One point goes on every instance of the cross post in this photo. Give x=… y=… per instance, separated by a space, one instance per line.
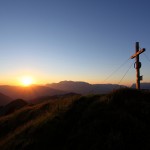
x=137 y=64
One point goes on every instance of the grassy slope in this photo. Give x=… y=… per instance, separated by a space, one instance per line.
x=119 y=120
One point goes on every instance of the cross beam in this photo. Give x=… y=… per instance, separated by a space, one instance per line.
x=138 y=53
x=137 y=64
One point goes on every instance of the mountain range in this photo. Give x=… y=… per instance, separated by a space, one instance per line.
x=28 y=93
x=36 y=92
x=143 y=86
x=84 y=88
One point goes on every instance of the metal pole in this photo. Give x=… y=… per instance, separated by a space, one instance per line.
x=137 y=67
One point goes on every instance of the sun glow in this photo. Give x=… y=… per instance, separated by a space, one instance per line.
x=26 y=81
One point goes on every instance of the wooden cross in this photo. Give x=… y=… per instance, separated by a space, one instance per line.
x=137 y=64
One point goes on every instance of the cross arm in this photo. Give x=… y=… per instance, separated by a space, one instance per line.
x=138 y=53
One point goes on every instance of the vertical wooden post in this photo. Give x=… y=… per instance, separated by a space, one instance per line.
x=137 y=67
x=137 y=64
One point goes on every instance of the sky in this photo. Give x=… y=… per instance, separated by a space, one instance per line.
x=78 y=40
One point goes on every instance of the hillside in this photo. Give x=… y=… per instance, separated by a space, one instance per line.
x=12 y=106
x=4 y=99
x=118 y=120
x=84 y=87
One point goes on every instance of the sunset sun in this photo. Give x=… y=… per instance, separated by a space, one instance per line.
x=26 y=81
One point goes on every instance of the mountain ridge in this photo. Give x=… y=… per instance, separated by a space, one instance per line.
x=4 y=99
x=12 y=107
x=144 y=85
x=84 y=87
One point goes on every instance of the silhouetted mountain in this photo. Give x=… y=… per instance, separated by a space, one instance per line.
x=27 y=93
x=4 y=99
x=119 y=120
x=13 y=106
x=143 y=86
x=83 y=87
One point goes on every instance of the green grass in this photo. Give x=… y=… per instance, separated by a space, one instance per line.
x=119 y=120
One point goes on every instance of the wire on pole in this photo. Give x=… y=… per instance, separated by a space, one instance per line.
x=125 y=62
x=125 y=73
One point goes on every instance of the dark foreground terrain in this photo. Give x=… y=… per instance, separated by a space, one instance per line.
x=119 y=120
